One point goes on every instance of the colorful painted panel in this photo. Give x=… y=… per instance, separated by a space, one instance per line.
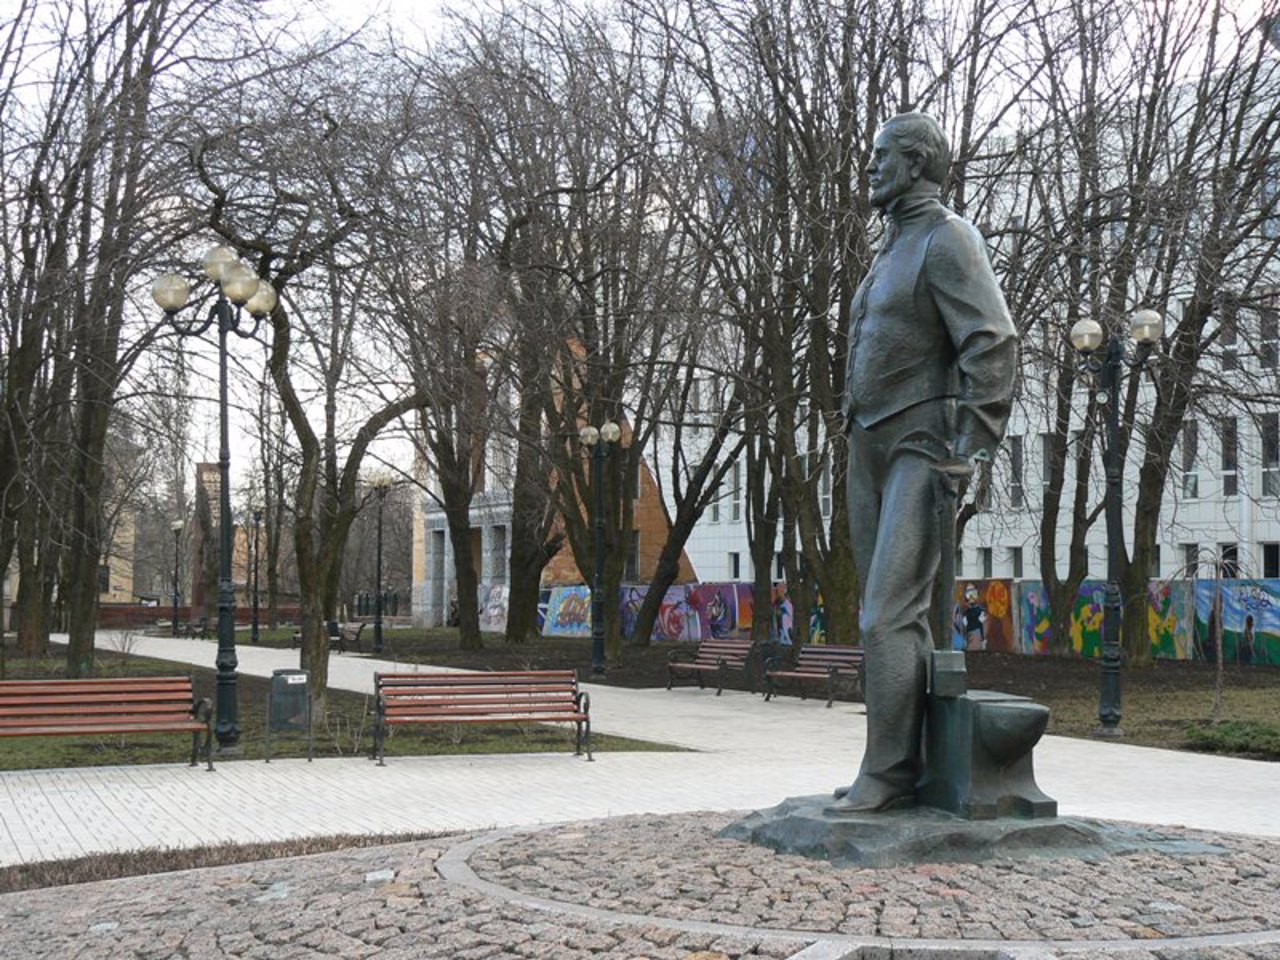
x=632 y=601
x=983 y=616
x=493 y=608
x=677 y=619
x=1171 y=619
x=1250 y=620
x=568 y=612
x=1086 y=618
x=716 y=606
x=1033 y=622
x=678 y=616
x=746 y=607
x=783 y=630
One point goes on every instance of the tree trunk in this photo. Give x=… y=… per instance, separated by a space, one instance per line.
x=458 y=518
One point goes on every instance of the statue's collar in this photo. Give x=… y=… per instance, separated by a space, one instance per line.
x=911 y=206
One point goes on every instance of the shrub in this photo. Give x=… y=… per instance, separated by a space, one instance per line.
x=1241 y=737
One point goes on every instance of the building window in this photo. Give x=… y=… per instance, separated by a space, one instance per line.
x=1017 y=495
x=1229 y=334
x=735 y=491
x=498 y=555
x=1269 y=330
x=1191 y=559
x=1271 y=561
x=1270 y=430
x=985 y=552
x=735 y=566
x=1190 y=450
x=104 y=579
x=824 y=488
x=1229 y=558
x=631 y=570
x=1046 y=459
x=959 y=561
x=1230 y=456
x=1015 y=562
x=714 y=509
x=779 y=574
x=1155 y=560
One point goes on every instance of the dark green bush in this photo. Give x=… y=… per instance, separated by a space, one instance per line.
x=1247 y=738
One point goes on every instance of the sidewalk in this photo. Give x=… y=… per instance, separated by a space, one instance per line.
x=750 y=754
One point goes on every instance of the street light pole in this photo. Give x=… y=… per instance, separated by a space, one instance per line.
x=598 y=442
x=381 y=485
x=1112 y=611
x=1145 y=329
x=238 y=286
x=176 y=526
x=257 y=523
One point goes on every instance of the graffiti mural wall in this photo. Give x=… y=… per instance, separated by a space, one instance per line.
x=982 y=618
x=1250 y=621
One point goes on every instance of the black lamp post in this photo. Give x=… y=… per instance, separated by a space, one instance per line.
x=1145 y=329
x=237 y=286
x=176 y=526
x=253 y=627
x=598 y=442
x=381 y=484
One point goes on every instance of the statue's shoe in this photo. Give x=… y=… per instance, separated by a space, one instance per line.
x=871 y=796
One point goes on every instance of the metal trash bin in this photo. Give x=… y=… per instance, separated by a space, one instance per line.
x=289 y=707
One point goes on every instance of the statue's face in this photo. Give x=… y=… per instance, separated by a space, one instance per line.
x=890 y=171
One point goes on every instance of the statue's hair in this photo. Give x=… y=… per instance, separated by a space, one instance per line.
x=920 y=134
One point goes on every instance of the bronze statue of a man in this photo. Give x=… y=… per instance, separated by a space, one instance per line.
x=932 y=352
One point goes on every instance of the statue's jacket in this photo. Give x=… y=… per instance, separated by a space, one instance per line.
x=929 y=323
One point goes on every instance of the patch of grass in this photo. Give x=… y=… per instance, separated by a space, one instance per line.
x=347 y=729
x=1260 y=741
x=134 y=863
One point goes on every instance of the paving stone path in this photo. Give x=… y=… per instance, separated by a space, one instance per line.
x=660 y=888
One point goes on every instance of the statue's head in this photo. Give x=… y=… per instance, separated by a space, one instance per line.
x=909 y=149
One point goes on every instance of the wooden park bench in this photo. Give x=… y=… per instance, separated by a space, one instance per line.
x=542 y=696
x=341 y=635
x=195 y=629
x=719 y=657
x=814 y=663
x=50 y=708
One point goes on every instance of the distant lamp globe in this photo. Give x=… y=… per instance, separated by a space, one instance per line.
x=217 y=260
x=170 y=292
x=1086 y=335
x=263 y=300
x=239 y=283
x=1146 y=326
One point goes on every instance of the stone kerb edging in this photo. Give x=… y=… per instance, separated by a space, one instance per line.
x=454 y=867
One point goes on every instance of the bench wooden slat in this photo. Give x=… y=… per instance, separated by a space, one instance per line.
x=821 y=662
x=507 y=696
x=113 y=705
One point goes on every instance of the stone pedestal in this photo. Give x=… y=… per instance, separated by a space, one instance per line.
x=978 y=747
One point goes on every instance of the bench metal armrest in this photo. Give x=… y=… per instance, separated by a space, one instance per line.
x=582 y=702
x=202 y=709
